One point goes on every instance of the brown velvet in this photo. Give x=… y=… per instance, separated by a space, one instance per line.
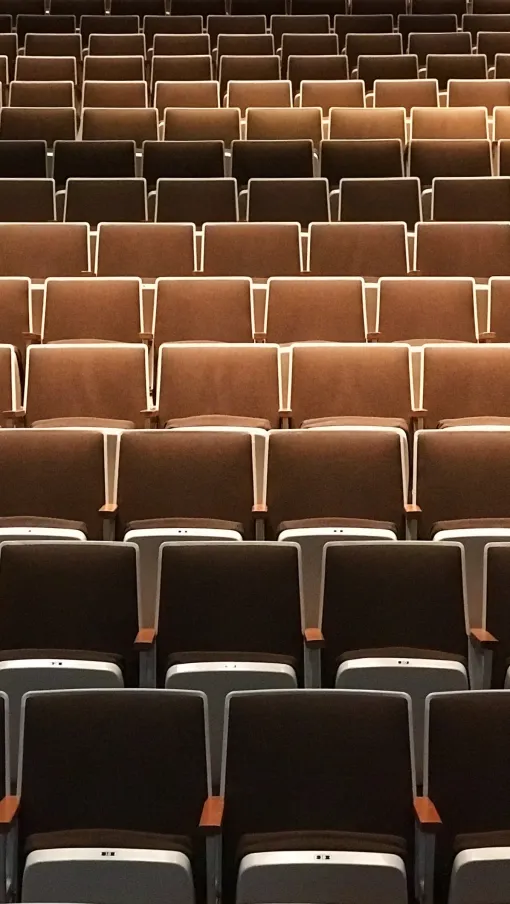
x=114 y=94
x=429 y=158
x=446 y=66
x=358 y=249
x=217 y=310
x=182 y=159
x=367 y=123
x=39 y=250
x=296 y=24
x=499 y=299
x=120 y=68
x=408 y=24
x=27 y=202
x=155 y=25
x=210 y=477
x=129 y=123
x=425 y=43
x=498 y=622
x=19 y=159
x=334 y=474
x=26 y=23
x=384 y=595
x=296 y=122
x=9 y=48
x=492 y=43
x=308 y=309
x=180 y=44
x=193 y=68
x=466 y=382
x=106 y=37
x=474 y=422
x=105 y=309
x=384 y=200
x=416 y=308
x=41 y=94
x=362 y=158
x=240 y=44
x=196 y=201
x=307 y=44
x=481 y=840
x=45 y=123
x=396 y=66
x=200 y=607
x=200 y=125
x=92 y=159
x=147 y=250
x=272 y=160
x=366 y=523
x=98 y=422
x=473 y=199
x=345 y=24
x=463 y=249
x=323 y=841
x=305 y=201
x=218 y=420
x=321 y=67
x=107 y=838
x=371 y=44
x=51 y=45
x=484 y=93
x=398 y=423
x=222 y=24
x=252 y=249
x=6 y=362
x=442 y=122
x=99 y=200
x=248 y=68
x=413 y=93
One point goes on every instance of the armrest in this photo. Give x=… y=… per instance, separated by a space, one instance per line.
x=17 y=415
x=109 y=510
x=374 y=336
x=212 y=815
x=259 y=336
x=259 y=510
x=483 y=639
x=427 y=817
x=314 y=638
x=151 y=416
x=486 y=337
x=417 y=413
x=9 y=807
x=285 y=414
x=87 y=273
x=146 y=337
x=411 y=511
x=145 y=639
x=31 y=337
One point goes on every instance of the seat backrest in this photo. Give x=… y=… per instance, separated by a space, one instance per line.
x=446 y=66
x=363 y=200
x=477 y=22
x=271 y=159
x=14 y=306
x=308 y=45
x=251 y=249
x=400 y=66
x=68 y=45
x=406 y=93
x=501 y=123
x=115 y=94
x=426 y=308
x=40 y=123
x=327 y=94
x=303 y=200
x=27 y=200
x=245 y=45
x=23 y=159
x=487 y=93
x=109 y=39
x=345 y=24
x=496 y=561
x=296 y=24
x=147 y=250
x=368 y=123
x=44 y=68
x=492 y=43
x=499 y=299
x=315 y=309
x=432 y=157
x=363 y=158
x=9 y=380
x=480 y=250
x=461 y=122
x=373 y=44
x=39 y=250
x=423 y=43
x=202 y=124
x=212 y=309
x=244 y=94
x=235 y=25
x=41 y=94
x=106 y=309
x=93 y=159
x=471 y=199
x=181 y=44
x=465 y=381
x=269 y=124
x=113 y=68
x=156 y=25
x=358 y=249
x=407 y=24
x=247 y=68
x=181 y=68
x=185 y=94
x=96 y=200
x=128 y=124
x=182 y=159
x=323 y=67
x=196 y=200
x=26 y=24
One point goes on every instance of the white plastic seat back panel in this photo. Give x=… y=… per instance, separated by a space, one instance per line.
x=481 y=876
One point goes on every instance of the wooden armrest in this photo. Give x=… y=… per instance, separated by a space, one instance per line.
x=146 y=337
x=411 y=511
x=418 y=412
x=145 y=639
x=373 y=336
x=285 y=412
x=426 y=815
x=151 y=416
x=483 y=638
x=109 y=510
x=17 y=414
x=9 y=807
x=212 y=815
x=259 y=510
x=314 y=638
x=259 y=336
x=87 y=273
x=487 y=337
x=31 y=337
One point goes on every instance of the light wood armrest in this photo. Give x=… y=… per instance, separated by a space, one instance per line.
x=17 y=415
x=146 y=337
x=212 y=815
x=417 y=413
x=483 y=638
x=487 y=337
x=426 y=815
x=314 y=638
x=145 y=639
x=411 y=511
x=259 y=336
x=31 y=337
x=259 y=510
x=9 y=807
x=374 y=336
x=285 y=414
x=109 y=510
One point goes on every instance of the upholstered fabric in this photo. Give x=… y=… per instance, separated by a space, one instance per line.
x=398 y=423
x=107 y=838
x=218 y=420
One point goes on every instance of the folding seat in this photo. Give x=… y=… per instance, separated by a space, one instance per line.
x=417 y=310
x=263 y=640
x=85 y=309
x=192 y=68
x=14 y=305
x=370 y=735
x=493 y=43
x=54 y=484
x=114 y=124
x=244 y=45
x=253 y=7
x=371 y=45
x=196 y=201
x=147 y=250
x=380 y=200
x=487 y=93
x=67 y=45
x=328 y=94
x=246 y=94
x=502 y=66
x=474 y=23
x=294 y=200
x=408 y=94
x=158 y=25
x=450 y=42
x=408 y=24
x=92 y=159
x=73 y=385
x=182 y=159
x=138 y=7
x=27 y=200
x=200 y=308
x=118 y=27
x=181 y=45
x=271 y=124
x=39 y=250
x=114 y=94
x=296 y=24
x=259 y=250
x=315 y=309
x=444 y=67
x=46 y=69
x=130 y=44
x=501 y=123
x=324 y=68
x=430 y=158
x=202 y=124
x=497 y=317
x=361 y=159
x=317 y=7
x=9 y=49
x=458 y=7
x=471 y=199
x=94 y=813
x=234 y=25
x=204 y=8
x=271 y=160
x=370 y=68
x=358 y=249
x=25 y=159
x=50 y=645
x=94 y=201
x=185 y=94
x=116 y=69
x=247 y=68
x=47 y=124
x=368 y=123
x=393 y=617
x=346 y=24
x=308 y=45
x=480 y=250
x=77 y=8
x=461 y=122
x=371 y=7
x=27 y=24
x=41 y=94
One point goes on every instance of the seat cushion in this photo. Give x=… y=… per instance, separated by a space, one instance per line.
x=306 y=523
x=218 y=420
x=99 y=422
x=107 y=838
x=400 y=652
x=190 y=523
x=35 y=522
x=394 y=422
x=190 y=657
x=474 y=422
x=323 y=841
x=471 y=524
x=85 y=655
x=466 y=841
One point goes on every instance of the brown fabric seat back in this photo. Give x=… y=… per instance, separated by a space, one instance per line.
x=269 y=92
x=39 y=250
x=471 y=199
x=446 y=66
x=407 y=24
x=128 y=124
x=373 y=44
x=497 y=622
x=202 y=125
x=269 y=124
x=156 y=25
x=41 y=94
x=195 y=67
x=147 y=250
x=463 y=249
x=296 y=24
x=308 y=309
x=107 y=309
x=346 y=23
x=407 y=93
x=182 y=159
x=484 y=93
x=426 y=308
x=252 y=249
x=93 y=159
x=97 y=200
x=247 y=68
x=14 y=296
x=52 y=69
x=318 y=91
x=272 y=160
x=52 y=45
x=325 y=67
x=449 y=122
x=400 y=66
x=9 y=377
x=185 y=94
x=303 y=200
x=432 y=157
x=380 y=158
x=358 y=249
x=493 y=43
x=114 y=94
x=465 y=381
x=307 y=45
x=499 y=298
x=38 y=123
x=27 y=200
x=368 y=122
x=210 y=309
x=107 y=36
x=381 y=199
x=235 y=25
x=196 y=200
x=113 y=68
x=425 y=43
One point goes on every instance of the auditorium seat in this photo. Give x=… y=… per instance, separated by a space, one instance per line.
x=315 y=7
x=462 y=122
x=345 y=24
x=368 y=123
x=315 y=309
x=417 y=310
x=269 y=93
x=307 y=45
x=192 y=68
x=406 y=93
x=259 y=250
x=501 y=123
x=474 y=23
x=471 y=199
x=298 y=24
x=502 y=66
x=15 y=295
x=252 y=7
x=92 y=309
x=476 y=377
x=92 y=159
x=9 y=49
x=480 y=250
x=365 y=200
x=235 y=25
x=202 y=125
x=411 y=23
x=327 y=94
x=430 y=158
x=128 y=124
x=41 y=94
x=77 y=7
x=446 y=66
x=31 y=24
x=294 y=200
x=372 y=44
x=247 y=69
x=196 y=201
x=156 y=25
x=53 y=45
x=12 y=7
x=9 y=381
x=38 y=123
x=182 y=159
x=292 y=159
x=118 y=27
x=209 y=640
x=455 y=42
x=27 y=200
x=147 y=250
x=271 y=125
x=40 y=250
x=185 y=94
x=181 y=44
x=488 y=93
x=492 y=43
x=94 y=201
x=114 y=94
x=401 y=66
x=155 y=833
x=497 y=316
x=244 y=45
x=357 y=249
x=368 y=7
x=204 y=8
x=275 y=822
x=325 y=67
x=376 y=158
x=495 y=614
x=212 y=309
x=139 y=7
x=46 y=69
